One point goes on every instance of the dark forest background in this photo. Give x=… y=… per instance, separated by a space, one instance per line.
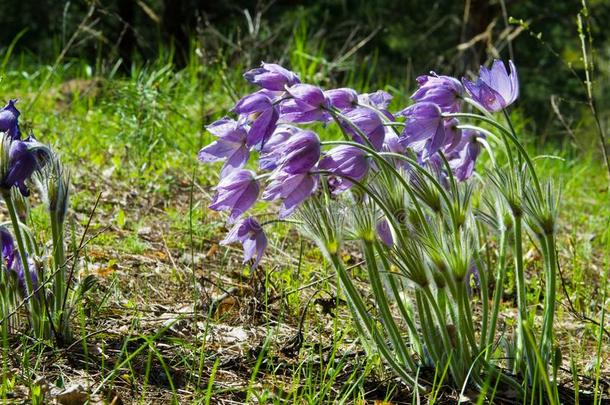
x=392 y=40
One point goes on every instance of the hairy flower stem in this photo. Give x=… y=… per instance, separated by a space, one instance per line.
x=383 y=306
x=34 y=304
x=360 y=311
x=497 y=296
x=546 y=344
x=59 y=286
x=522 y=344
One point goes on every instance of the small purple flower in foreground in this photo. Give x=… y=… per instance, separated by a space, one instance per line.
x=300 y=152
x=495 y=89
x=424 y=130
x=272 y=150
x=444 y=91
x=308 y=104
x=259 y=106
x=9 y=120
x=292 y=189
x=12 y=262
x=453 y=134
x=230 y=145
x=384 y=232
x=342 y=98
x=237 y=192
x=25 y=157
x=369 y=123
x=250 y=233
x=347 y=161
x=271 y=76
x=465 y=156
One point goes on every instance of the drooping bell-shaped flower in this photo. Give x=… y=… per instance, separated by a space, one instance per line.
x=384 y=232
x=231 y=145
x=453 y=134
x=236 y=192
x=379 y=99
x=495 y=89
x=272 y=150
x=271 y=76
x=300 y=152
x=348 y=161
x=444 y=91
x=424 y=130
x=308 y=104
x=9 y=120
x=24 y=158
x=464 y=158
x=343 y=98
x=250 y=233
x=12 y=262
x=260 y=108
x=368 y=123
x=292 y=189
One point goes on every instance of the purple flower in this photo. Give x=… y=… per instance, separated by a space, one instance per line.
x=265 y=115
x=384 y=232
x=25 y=157
x=444 y=91
x=12 y=262
x=292 y=189
x=251 y=235
x=453 y=134
x=9 y=120
x=300 y=152
x=308 y=104
x=342 y=98
x=495 y=89
x=230 y=145
x=347 y=161
x=463 y=160
x=237 y=192
x=272 y=77
x=369 y=123
x=272 y=150
x=379 y=99
x=424 y=130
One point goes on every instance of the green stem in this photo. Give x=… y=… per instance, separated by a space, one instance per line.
x=497 y=295
x=549 y=298
x=59 y=286
x=33 y=302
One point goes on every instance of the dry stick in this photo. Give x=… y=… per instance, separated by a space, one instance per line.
x=80 y=27
x=588 y=73
x=80 y=246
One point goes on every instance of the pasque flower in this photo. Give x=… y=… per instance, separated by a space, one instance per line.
x=308 y=104
x=463 y=160
x=271 y=76
x=9 y=120
x=236 y=192
x=343 y=98
x=261 y=109
x=272 y=150
x=369 y=123
x=444 y=91
x=348 y=161
x=250 y=233
x=24 y=157
x=12 y=262
x=300 y=152
x=292 y=189
x=495 y=89
x=231 y=145
x=424 y=130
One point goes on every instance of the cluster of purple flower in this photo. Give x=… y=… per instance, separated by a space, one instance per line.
x=266 y=121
